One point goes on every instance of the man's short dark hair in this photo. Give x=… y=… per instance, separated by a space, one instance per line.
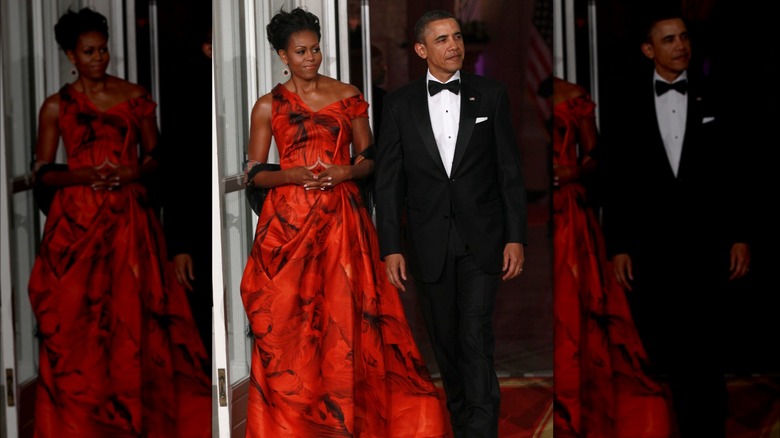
x=655 y=15
x=427 y=18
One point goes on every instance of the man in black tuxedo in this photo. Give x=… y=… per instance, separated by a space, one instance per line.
x=448 y=168
x=674 y=223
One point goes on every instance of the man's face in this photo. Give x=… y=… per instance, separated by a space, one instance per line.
x=669 y=48
x=443 y=48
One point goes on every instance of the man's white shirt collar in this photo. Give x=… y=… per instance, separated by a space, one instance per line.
x=656 y=76
x=430 y=77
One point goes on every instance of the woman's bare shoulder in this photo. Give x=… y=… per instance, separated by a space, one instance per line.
x=126 y=89
x=262 y=105
x=350 y=90
x=341 y=90
x=264 y=100
x=51 y=105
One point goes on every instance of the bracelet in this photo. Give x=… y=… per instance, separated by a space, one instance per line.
x=368 y=153
x=43 y=195
x=252 y=168
x=255 y=196
x=39 y=168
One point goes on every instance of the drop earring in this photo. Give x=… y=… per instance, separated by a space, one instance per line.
x=286 y=71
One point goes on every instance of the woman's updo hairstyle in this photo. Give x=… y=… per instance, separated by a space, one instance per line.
x=284 y=24
x=73 y=24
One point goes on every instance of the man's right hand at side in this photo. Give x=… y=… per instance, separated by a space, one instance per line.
x=395 y=266
x=182 y=264
x=624 y=272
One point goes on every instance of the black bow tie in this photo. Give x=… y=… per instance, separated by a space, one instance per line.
x=662 y=87
x=434 y=86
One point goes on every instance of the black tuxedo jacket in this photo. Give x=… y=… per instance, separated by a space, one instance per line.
x=484 y=195
x=652 y=214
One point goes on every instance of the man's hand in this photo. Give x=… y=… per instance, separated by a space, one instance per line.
x=182 y=266
x=740 y=260
x=624 y=271
x=395 y=266
x=514 y=259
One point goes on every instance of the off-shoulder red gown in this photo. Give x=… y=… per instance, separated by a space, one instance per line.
x=119 y=353
x=601 y=390
x=333 y=354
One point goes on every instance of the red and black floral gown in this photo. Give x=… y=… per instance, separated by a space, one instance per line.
x=119 y=353
x=333 y=354
x=600 y=387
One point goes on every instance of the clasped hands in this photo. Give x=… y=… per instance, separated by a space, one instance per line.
x=320 y=175
x=564 y=174
x=106 y=176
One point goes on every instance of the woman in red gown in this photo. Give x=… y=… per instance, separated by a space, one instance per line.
x=600 y=387
x=119 y=353
x=333 y=354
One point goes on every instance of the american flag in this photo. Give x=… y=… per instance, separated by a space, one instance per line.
x=539 y=79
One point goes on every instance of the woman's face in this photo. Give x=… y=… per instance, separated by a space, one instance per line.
x=303 y=56
x=90 y=57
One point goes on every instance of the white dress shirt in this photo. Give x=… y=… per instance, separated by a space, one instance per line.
x=671 y=109
x=444 y=109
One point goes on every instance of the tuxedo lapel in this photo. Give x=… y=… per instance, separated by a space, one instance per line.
x=469 y=103
x=692 y=124
x=418 y=105
x=651 y=116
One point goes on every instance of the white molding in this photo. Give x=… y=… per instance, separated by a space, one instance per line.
x=342 y=18
x=593 y=43
x=154 y=54
x=132 y=41
x=571 y=43
x=558 y=39
x=218 y=284
x=6 y=293
x=368 y=92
